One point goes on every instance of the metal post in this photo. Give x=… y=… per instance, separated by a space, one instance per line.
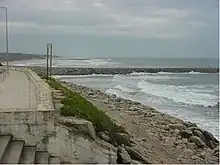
x=6 y=34
x=51 y=53
x=6 y=26
x=47 y=60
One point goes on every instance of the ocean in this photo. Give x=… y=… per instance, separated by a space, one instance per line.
x=189 y=96
x=123 y=62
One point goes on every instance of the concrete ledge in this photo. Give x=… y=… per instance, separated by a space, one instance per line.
x=32 y=125
x=43 y=91
x=26 y=117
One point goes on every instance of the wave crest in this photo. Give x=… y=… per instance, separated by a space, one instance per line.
x=180 y=94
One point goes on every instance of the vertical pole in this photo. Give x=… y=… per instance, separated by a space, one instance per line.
x=6 y=26
x=51 y=54
x=47 y=60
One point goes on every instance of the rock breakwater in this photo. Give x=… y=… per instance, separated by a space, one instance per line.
x=88 y=71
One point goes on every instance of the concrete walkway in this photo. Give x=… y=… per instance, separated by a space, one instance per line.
x=17 y=92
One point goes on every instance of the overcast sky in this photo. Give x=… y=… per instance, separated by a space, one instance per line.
x=113 y=28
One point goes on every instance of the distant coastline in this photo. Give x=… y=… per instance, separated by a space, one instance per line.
x=21 y=56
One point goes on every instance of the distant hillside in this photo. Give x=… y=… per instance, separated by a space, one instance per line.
x=20 y=56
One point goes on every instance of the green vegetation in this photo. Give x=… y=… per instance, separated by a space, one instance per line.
x=76 y=105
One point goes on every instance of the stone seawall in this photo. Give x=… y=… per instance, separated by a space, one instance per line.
x=87 y=71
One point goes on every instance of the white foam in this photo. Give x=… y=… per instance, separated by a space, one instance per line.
x=123 y=88
x=80 y=76
x=33 y=62
x=62 y=62
x=180 y=94
x=162 y=73
x=116 y=92
x=116 y=76
x=191 y=72
x=164 y=77
x=19 y=65
x=165 y=73
x=97 y=62
x=139 y=73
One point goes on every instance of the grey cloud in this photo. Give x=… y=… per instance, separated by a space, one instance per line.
x=121 y=17
x=130 y=26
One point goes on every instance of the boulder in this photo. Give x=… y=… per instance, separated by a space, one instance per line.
x=212 y=160
x=105 y=101
x=197 y=159
x=133 y=108
x=202 y=155
x=122 y=156
x=105 y=136
x=90 y=93
x=209 y=137
x=122 y=138
x=213 y=144
x=176 y=131
x=135 y=162
x=186 y=133
x=184 y=140
x=118 y=99
x=78 y=124
x=191 y=146
x=177 y=126
x=113 y=96
x=170 y=141
x=199 y=142
x=188 y=151
x=178 y=142
x=181 y=146
x=199 y=134
x=136 y=103
x=189 y=124
x=194 y=128
x=216 y=154
x=216 y=151
x=137 y=155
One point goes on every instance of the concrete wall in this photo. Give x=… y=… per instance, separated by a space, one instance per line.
x=73 y=147
x=32 y=127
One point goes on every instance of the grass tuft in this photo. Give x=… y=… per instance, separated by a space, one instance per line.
x=75 y=105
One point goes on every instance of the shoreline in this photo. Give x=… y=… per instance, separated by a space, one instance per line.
x=12 y=57
x=153 y=129
x=114 y=71
x=163 y=138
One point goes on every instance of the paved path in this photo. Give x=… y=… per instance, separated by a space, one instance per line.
x=17 y=92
